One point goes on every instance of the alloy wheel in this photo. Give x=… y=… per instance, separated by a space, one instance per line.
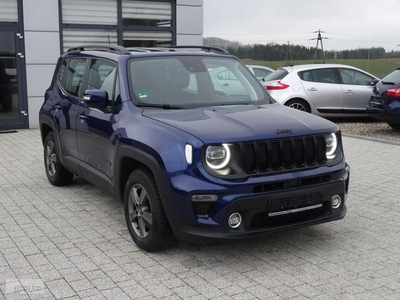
x=139 y=210
x=51 y=159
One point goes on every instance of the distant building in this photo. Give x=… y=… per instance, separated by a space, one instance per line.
x=33 y=33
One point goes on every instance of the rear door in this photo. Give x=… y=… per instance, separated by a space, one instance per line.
x=323 y=88
x=356 y=89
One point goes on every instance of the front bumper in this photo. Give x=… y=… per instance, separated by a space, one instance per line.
x=300 y=208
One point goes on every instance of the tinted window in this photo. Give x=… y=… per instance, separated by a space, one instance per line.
x=319 y=75
x=277 y=75
x=102 y=75
x=393 y=77
x=354 y=77
x=74 y=78
x=61 y=74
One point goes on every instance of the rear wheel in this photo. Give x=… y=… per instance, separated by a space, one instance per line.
x=144 y=213
x=299 y=104
x=394 y=126
x=56 y=173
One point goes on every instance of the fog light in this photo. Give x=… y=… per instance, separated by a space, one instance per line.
x=235 y=220
x=336 y=201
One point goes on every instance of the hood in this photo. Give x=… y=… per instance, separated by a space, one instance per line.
x=237 y=123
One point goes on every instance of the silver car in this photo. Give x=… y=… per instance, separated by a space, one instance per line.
x=328 y=90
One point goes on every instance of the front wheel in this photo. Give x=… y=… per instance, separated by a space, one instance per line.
x=56 y=173
x=299 y=105
x=144 y=213
x=394 y=126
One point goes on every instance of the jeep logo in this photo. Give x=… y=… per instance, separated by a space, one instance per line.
x=283 y=131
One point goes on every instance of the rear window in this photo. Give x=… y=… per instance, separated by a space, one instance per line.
x=277 y=75
x=393 y=77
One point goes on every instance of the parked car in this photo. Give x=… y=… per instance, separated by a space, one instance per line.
x=384 y=104
x=187 y=160
x=261 y=72
x=327 y=90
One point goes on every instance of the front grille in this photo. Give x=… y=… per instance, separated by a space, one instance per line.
x=283 y=154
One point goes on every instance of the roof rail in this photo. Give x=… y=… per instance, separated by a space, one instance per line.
x=101 y=47
x=206 y=48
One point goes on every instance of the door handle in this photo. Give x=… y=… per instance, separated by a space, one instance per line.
x=225 y=84
x=83 y=117
x=313 y=89
x=58 y=106
x=349 y=92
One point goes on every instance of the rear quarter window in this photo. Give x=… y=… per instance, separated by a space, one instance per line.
x=277 y=75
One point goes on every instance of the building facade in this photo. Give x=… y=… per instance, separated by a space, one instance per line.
x=33 y=34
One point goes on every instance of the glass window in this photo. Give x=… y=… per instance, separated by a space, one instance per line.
x=9 y=11
x=102 y=75
x=102 y=12
x=324 y=75
x=78 y=37
x=261 y=73
x=73 y=82
x=61 y=74
x=393 y=77
x=146 y=13
x=188 y=81
x=146 y=38
x=354 y=77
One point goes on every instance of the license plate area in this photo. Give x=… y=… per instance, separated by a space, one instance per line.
x=293 y=204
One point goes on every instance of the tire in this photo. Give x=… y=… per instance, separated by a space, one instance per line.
x=394 y=126
x=56 y=173
x=144 y=213
x=299 y=104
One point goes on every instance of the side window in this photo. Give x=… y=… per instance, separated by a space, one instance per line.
x=354 y=77
x=102 y=76
x=306 y=76
x=261 y=73
x=226 y=75
x=324 y=75
x=74 y=77
x=62 y=72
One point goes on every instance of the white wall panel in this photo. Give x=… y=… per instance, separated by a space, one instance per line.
x=43 y=17
x=187 y=39
x=42 y=47
x=189 y=20
x=39 y=78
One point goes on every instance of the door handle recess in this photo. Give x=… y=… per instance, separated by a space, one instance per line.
x=225 y=84
x=313 y=89
x=83 y=117
x=349 y=92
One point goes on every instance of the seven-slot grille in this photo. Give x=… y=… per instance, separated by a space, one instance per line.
x=281 y=154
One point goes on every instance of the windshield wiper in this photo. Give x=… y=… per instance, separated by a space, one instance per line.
x=388 y=82
x=163 y=106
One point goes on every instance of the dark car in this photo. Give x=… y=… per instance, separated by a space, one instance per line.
x=385 y=100
x=189 y=161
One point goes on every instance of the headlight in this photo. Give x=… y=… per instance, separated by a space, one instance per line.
x=218 y=157
x=331 y=145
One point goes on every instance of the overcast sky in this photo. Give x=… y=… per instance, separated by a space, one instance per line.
x=348 y=24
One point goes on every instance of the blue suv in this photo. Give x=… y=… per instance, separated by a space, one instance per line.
x=189 y=140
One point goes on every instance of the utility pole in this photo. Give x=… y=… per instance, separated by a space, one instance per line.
x=319 y=38
x=288 y=52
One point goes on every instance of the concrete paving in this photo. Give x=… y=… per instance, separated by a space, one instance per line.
x=72 y=242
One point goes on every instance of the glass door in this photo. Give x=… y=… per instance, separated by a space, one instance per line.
x=12 y=84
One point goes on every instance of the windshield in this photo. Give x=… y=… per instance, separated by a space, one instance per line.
x=393 y=77
x=193 y=81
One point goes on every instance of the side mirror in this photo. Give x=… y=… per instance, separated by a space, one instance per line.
x=374 y=81
x=95 y=98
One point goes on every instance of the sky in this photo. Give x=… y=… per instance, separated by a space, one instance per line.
x=347 y=24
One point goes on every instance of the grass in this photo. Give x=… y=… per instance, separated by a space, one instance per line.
x=377 y=67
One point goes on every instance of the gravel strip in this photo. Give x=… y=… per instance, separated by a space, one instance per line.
x=368 y=127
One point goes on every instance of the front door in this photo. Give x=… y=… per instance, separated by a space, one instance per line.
x=13 y=109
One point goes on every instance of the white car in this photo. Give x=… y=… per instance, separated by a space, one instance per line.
x=327 y=90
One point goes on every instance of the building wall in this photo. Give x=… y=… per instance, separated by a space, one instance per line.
x=42 y=43
x=42 y=49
